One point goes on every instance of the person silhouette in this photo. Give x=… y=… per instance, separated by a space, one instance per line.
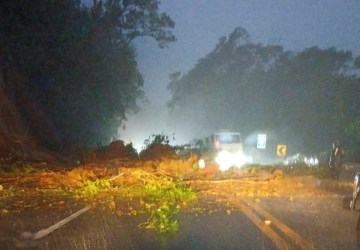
x=336 y=159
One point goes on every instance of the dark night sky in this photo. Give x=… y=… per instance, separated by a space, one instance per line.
x=296 y=25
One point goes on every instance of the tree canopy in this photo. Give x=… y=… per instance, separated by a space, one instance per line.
x=307 y=98
x=78 y=61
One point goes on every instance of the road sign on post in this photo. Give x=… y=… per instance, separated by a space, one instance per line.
x=281 y=150
x=261 y=141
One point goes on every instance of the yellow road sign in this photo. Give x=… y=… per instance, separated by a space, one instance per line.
x=281 y=150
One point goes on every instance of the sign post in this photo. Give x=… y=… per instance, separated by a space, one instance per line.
x=261 y=141
x=281 y=150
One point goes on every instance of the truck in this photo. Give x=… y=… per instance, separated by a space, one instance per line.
x=226 y=149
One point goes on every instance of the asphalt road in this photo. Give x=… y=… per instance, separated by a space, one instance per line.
x=269 y=223
x=224 y=221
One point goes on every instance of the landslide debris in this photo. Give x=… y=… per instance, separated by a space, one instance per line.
x=119 y=164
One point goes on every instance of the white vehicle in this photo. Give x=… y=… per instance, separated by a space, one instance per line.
x=229 y=149
x=229 y=141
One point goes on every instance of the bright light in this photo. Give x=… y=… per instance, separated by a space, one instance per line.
x=139 y=148
x=311 y=161
x=201 y=163
x=226 y=160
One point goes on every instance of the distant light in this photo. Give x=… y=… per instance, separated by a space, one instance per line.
x=139 y=148
x=201 y=163
x=311 y=161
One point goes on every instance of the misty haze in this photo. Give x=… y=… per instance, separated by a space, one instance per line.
x=128 y=124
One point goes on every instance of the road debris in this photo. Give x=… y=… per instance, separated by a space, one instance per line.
x=28 y=239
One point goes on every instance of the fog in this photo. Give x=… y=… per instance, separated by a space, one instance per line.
x=262 y=106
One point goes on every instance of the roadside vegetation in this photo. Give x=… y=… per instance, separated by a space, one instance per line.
x=161 y=197
x=157 y=183
x=149 y=184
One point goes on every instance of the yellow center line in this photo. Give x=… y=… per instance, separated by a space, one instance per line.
x=271 y=234
x=303 y=243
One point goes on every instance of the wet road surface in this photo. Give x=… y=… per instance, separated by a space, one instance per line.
x=236 y=223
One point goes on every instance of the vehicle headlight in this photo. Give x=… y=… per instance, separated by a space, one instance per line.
x=224 y=159
x=201 y=163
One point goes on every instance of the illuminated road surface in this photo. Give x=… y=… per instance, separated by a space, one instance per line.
x=266 y=223
x=219 y=221
x=276 y=223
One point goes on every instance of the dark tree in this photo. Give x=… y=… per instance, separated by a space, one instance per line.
x=308 y=99
x=78 y=61
x=228 y=88
x=313 y=96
